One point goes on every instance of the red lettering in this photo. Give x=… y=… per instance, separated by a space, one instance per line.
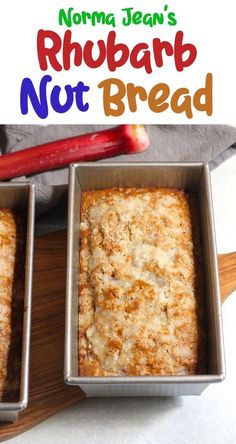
x=88 y=57
x=180 y=49
x=112 y=49
x=158 y=47
x=68 y=47
x=48 y=53
x=50 y=46
x=144 y=61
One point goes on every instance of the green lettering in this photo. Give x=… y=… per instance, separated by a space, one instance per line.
x=66 y=18
x=172 y=20
x=128 y=19
x=85 y=16
x=98 y=17
x=158 y=18
x=137 y=18
x=147 y=20
x=110 y=20
x=76 y=18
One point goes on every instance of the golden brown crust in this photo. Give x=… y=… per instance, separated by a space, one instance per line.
x=138 y=299
x=11 y=302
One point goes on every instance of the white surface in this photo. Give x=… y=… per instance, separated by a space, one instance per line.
x=210 y=418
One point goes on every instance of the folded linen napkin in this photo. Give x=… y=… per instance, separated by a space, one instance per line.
x=212 y=143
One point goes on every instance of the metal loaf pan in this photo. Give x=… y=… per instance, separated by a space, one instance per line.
x=20 y=197
x=193 y=178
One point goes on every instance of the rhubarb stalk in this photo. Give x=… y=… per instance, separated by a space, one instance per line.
x=122 y=139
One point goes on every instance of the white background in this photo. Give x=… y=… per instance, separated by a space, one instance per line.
x=209 y=24
x=207 y=419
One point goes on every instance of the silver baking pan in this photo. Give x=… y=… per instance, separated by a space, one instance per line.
x=192 y=177
x=20 y=196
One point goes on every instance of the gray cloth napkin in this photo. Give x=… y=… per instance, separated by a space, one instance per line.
x=212 y=143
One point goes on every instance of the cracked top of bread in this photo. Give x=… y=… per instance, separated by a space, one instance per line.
x=12 y=263
x=138 y=301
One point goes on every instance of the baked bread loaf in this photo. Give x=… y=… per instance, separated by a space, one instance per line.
x=11 y=302
x=138 y=296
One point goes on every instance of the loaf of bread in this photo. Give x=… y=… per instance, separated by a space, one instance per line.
x=11 y=302
x=138 y=297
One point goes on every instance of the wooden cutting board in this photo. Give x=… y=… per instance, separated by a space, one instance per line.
x=48 y=393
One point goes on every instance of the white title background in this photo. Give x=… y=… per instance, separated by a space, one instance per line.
x=209 y=25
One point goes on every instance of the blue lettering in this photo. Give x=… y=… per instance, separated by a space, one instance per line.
x=40 y=104
x=79 y=94
x=28 y=93
x=55 y=99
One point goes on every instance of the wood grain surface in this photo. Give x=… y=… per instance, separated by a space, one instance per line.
x=227 y=268
x=48 y=393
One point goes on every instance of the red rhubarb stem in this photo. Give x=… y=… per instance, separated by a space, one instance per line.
x=122 y=139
